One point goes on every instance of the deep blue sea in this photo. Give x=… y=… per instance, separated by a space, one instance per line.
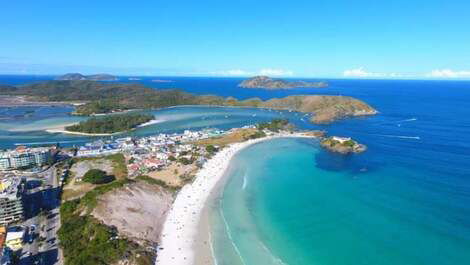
x=404 y=201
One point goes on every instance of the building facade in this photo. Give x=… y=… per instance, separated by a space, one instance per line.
x=23 y=157
x=11 y=201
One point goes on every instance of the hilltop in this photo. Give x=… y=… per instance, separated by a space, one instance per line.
x=267 y=82
x=78 y=76
x=112 y=97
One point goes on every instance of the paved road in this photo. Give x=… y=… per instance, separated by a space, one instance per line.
x=42 y=211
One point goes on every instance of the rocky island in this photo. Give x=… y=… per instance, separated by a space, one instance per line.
x=342 y=145
x=101 y=98
x=78 y=76
x=266 y=82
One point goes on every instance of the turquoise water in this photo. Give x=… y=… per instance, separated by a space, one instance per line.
x=25 y=125
x=280 y=207
x=404 y=201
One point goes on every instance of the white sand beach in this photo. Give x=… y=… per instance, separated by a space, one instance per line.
x=155 y=121
x=180 y=231
x=61 y=129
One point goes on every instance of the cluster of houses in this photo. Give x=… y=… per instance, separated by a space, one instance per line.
x=157 y=152
x=151 y=153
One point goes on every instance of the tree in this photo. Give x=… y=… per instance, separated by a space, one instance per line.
x=185 y=161
x=211 y=149
x=97 y=176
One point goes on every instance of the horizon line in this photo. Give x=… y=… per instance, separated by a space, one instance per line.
x=250 y=76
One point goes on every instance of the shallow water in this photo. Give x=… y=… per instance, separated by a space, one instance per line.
x=404 y=201
x=280 y=207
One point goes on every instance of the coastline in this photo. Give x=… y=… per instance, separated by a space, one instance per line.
x=185 y=237
x=151 y=122
x=61 y=129
x=27 y=101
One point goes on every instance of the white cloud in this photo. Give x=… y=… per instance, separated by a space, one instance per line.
x=266 y=71
x=275 y=72
x=448 y=73
x=360 y=72
x=234 y=72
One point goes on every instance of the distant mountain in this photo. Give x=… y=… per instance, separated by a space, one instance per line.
x=78 y=76
x=267 y=82
x=102 y=97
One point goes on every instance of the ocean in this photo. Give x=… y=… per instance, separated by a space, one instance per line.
x=406 y=200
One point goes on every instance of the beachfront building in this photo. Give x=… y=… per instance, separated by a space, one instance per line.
x=23 y=157
x=98 y=149
x=11 y=200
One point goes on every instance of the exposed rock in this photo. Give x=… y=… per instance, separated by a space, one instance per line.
x=137 y=210
x=269 y=83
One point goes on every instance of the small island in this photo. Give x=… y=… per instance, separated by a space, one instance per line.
x=266 y=82
x=78 y=76
x=110 y=124
x=342 y=145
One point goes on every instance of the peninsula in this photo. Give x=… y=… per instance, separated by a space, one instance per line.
x=266 y=82
x=96 y=77
x=110 y=124
x=101 y=98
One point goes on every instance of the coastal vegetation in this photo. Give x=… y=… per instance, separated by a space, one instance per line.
x=275 y=125
x=158 y=182
x=266 y=82
x=110 y=124
x=97 y=176
x=86 y=241
x=99 y=97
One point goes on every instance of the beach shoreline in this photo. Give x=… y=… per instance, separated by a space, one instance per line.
x=185 y=237
x=151 y=122
x=62 y=129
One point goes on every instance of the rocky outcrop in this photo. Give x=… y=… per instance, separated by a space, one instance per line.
x=266 y=82
x=342 y=145
x=137 y=210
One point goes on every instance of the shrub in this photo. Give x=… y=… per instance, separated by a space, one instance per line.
x=211 y=149
x=185 y=161
x=97 y=176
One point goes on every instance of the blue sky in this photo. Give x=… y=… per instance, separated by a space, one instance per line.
x=335 y=38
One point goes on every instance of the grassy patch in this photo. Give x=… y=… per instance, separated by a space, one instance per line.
x=118 y=160
x=158 y=182
x=119 y=164
x=86 y=241
x=237 y=136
